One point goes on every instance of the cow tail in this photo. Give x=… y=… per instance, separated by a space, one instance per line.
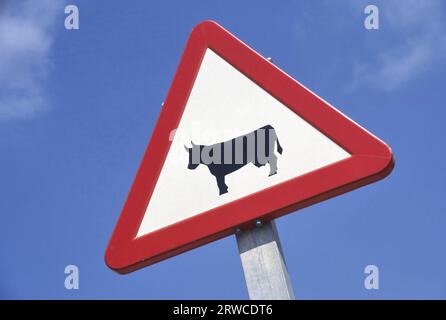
x=279 y=147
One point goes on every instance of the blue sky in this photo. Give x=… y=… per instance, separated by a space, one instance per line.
x=77 y=109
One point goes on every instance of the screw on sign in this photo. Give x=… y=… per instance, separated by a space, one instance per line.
x=195 y=188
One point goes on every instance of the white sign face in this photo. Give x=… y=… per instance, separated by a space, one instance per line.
x=223 y=105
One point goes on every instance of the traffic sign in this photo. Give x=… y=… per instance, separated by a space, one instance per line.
x=237 y=141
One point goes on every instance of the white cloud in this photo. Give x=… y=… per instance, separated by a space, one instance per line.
x=417 y=29
x=26 y=36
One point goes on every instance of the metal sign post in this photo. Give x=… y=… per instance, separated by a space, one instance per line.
x=264 y=266
x=263 y=262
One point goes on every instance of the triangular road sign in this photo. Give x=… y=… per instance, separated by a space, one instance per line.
x=225 y=94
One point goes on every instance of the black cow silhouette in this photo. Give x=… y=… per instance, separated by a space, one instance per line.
x=222 y=158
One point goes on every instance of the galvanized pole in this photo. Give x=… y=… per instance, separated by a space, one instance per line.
x=264 y=266
x=263 y=263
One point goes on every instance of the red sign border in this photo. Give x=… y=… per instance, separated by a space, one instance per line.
x=371 y=159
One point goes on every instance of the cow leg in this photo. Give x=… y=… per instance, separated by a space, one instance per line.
x=222 y=187
x=272 y=160
x=259 y=164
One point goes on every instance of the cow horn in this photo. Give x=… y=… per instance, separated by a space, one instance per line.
x=186 y=148
x=193 y=144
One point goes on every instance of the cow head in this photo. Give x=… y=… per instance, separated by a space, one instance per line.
x=194 y=156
